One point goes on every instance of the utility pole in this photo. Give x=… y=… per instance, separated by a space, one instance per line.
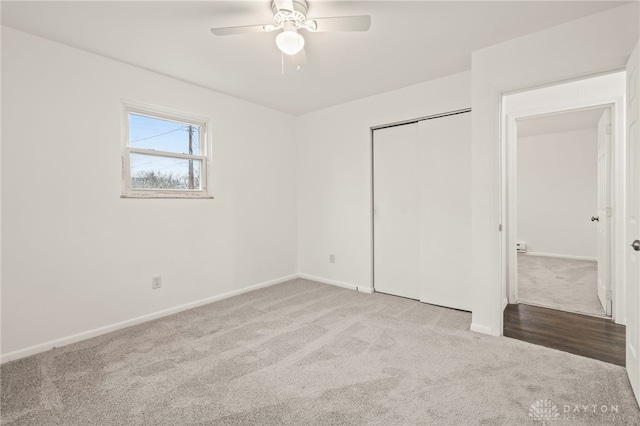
x=190 y=153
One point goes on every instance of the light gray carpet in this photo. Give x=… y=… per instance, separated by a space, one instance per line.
x=308 y=353
x=566 y=284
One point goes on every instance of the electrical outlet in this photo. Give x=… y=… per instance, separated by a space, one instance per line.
x=332 y=258
x=156 y=282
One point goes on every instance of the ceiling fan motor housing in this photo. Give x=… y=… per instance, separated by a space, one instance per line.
x=297 y=15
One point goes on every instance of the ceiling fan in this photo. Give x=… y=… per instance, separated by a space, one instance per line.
x=291 y=16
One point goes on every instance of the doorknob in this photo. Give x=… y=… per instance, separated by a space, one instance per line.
x=636 y=245
x=595 y=218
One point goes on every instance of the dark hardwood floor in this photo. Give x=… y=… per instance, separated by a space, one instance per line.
x=593 y=337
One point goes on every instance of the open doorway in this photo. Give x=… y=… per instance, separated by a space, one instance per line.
x=563 y=179
x=563 y=227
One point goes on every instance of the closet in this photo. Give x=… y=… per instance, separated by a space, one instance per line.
x=422 y=210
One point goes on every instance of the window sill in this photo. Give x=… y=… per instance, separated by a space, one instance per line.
x=172 y=195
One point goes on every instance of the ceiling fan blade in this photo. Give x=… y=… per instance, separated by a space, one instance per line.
x=340 y=23
x=299 y=58
x=284 y=5
x=247 y=29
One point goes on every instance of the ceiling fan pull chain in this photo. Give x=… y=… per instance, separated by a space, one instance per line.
x=282 y=63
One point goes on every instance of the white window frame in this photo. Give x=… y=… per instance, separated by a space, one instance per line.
x=162 y=113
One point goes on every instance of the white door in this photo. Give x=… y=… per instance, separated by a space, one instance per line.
x=445 y=211
x=395 y=194
x=633 y=222
x=604 y=211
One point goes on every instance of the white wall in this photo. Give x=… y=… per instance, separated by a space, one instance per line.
x=334 y=186
x=0 y=191
x=592 y=45
x=76 y=256
x=557 y=193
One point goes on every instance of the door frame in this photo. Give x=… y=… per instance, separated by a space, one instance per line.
x=509 y=195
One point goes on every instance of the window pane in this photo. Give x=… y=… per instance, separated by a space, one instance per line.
x=154 y=172
x=163 y=135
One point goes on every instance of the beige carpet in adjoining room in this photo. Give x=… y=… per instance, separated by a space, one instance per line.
x=303 y=353
x=566 y=284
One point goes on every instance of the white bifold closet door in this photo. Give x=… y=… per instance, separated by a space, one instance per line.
x=422 y=210
x=396 y=211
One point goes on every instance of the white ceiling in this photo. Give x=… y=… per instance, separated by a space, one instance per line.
x=562 y=122
x=408 y=43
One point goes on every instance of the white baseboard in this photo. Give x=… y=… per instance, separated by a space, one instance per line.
x=361 y=289
x=32 y=350
x=560 y=256
x=478 y=328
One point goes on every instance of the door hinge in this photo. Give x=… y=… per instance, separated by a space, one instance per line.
x=609 y=296
x=608 y=129
x=609 y=212
x=500 y=228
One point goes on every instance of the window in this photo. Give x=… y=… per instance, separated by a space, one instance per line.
x=166 y=153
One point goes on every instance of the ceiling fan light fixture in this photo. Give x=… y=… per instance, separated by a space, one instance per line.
x=290 y=42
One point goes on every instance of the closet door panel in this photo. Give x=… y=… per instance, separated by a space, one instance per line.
x=396 y=215
x=445 y=211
